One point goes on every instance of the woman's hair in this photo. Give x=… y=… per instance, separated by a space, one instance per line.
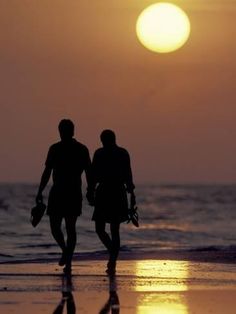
x=108 y=137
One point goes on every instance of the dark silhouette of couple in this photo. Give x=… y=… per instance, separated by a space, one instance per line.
x=109 y=179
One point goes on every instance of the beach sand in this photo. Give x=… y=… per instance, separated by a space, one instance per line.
x=141 y=286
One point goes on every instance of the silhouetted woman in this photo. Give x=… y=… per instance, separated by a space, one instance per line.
x=112 y=179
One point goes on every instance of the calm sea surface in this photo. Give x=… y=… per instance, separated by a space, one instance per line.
x=171 y=216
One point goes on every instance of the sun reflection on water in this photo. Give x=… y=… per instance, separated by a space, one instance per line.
x=161 y=285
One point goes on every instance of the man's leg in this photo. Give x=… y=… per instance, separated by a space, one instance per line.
x=103 y=235
x=55 y=224
x=71 y=237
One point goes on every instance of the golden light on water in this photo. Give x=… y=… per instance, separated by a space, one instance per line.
x=166 y=284
x=163 y=275
x=162 y=304
x=163 y=27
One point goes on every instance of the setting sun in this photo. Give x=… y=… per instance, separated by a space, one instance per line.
x=163 y=27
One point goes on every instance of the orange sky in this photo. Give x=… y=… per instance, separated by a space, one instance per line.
x=174 y=112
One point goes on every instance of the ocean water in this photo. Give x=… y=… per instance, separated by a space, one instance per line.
x=180 y=217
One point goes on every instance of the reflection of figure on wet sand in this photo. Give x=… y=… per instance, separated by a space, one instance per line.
x=67 y=297
x=112 y=303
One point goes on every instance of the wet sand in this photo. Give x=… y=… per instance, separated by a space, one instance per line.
x=144 y=286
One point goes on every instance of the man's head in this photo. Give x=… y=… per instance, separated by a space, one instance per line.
x=108 y=138
x=66 y=129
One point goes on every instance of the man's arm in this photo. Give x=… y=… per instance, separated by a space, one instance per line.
x=94 y=179
x=87 y=168
x=44 y=181
x=89 y=179
x=129 y=181
x=128 y=175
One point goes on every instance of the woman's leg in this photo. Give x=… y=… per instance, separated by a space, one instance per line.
x=115 y=237
x=100 y=227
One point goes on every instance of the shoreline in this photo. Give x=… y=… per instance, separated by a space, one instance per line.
x=140 y=286
x=204 y=255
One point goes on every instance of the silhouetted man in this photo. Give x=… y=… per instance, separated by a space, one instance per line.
x=66 y=161
x=112 y=179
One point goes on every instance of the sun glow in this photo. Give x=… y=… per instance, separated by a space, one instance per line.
x=162 y=275
x=163 y=27
x=166 y=282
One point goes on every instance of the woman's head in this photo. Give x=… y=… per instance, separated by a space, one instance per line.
x=108 y=138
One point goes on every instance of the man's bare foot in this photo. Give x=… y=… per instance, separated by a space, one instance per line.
x=67 y=269
x=63 y=259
